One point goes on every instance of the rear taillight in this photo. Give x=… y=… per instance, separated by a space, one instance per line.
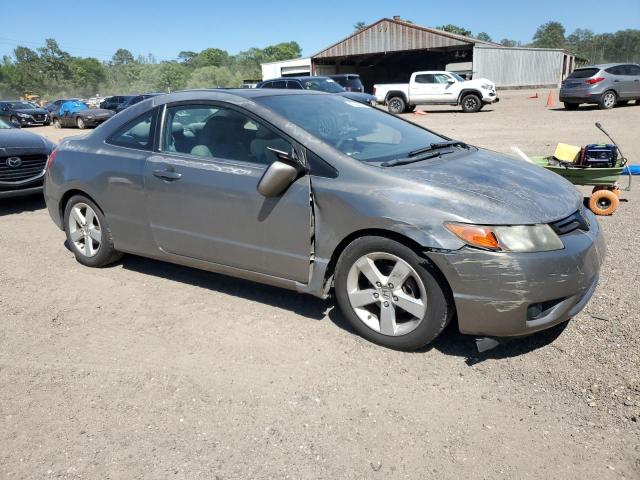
x=593 y=81
x=51 y=159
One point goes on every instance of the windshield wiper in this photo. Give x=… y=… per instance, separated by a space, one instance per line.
x=405 y=161
x=436 y=146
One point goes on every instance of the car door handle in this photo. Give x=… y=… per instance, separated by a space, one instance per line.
x=167 y=174
x=616 y=81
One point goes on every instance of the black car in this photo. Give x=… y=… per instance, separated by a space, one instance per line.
x=54 y=105
x=135 y=99
x=23 y=156
x=350 y=81
x=81 y=116
x=112 y=103
x=23 y=113
x=321 y=84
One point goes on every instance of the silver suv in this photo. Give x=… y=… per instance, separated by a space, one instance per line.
x=607 y=85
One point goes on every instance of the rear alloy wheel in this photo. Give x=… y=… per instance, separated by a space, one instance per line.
x=471 y=103
x=390 y=295
x=571 y=106
x=396 y=105
x=80 y=123
x=608 y=100
x=87 y=232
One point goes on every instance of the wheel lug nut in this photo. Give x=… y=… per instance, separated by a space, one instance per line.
x=376 y=295
x=378 y=284
x=395 y=299
x=391 y=285
x=386 y=304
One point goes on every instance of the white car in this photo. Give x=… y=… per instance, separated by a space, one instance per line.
x=436 y=88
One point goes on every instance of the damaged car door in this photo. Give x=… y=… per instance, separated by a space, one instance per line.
x=202 y=193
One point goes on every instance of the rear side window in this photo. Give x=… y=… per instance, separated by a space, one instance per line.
x=617 y=70
x=352 y=84
x=294 y=85
x=584 y=73
x=137 y=134
x=425 y=78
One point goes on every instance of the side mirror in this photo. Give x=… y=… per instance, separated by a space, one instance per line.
x=451 y=80
x=280 y=174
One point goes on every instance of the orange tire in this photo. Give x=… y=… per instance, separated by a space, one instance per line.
x=615 y=190
x=603 y=202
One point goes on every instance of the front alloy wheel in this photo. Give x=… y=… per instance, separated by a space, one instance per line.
x=392 y=303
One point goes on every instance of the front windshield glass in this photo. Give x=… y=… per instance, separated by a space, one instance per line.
x=360 y=131
x=322 y=85
x=22 y=106
x=4 y=125
x=457 y=77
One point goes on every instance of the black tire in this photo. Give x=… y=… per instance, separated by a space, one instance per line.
x=439 y=309
x=106 y=252
x=396 y=105
x=608 y=100
x=80 y=123
x=571 y=106
x=56 y=123
x=471 y=103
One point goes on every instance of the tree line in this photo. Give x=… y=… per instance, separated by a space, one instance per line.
x=53 y=73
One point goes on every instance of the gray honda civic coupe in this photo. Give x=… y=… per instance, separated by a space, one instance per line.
x=319 y=194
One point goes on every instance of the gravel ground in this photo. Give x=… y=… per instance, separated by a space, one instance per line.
x=150 y=370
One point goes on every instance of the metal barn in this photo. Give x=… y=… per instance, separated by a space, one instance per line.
x=390 y=50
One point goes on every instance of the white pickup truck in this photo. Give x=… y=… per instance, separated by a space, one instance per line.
x=436 y=88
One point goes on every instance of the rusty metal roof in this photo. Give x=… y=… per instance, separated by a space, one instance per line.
x=390 y=35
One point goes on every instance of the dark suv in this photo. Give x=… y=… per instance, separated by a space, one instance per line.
x=606 y=85
x=112 y=103
x=23 y=113
x=132 y=100
x=350 y=81
x=321 y=84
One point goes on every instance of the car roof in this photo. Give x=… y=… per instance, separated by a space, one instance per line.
x=303 y=77
x=602 y=66
x=250 y=93
x=347 y=75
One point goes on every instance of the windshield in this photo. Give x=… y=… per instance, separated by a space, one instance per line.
x=22 y=106
x=4 y=125
x=457 y=77
x=360 y=131
x=322 y=85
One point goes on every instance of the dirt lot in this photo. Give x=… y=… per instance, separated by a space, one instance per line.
x=149 y=370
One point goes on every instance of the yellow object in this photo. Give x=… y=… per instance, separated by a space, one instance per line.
x=566 y=153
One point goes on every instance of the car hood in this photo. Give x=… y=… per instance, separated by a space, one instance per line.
x=13 y=139
x=358 y=96
x=485 y=187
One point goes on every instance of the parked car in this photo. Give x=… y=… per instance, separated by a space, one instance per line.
x=112 y=103
x=23 y=156
x=78 y=114
x=135 y=99
x=315 y=192
x=606 y=85
x=94 y=102
x=23 y=113
x=349 y=81
x=54 y=105
x=436 y=88
x=317 y=83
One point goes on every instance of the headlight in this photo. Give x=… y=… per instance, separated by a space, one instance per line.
x=23 y=115
x=486 y=86
x=517 y=238
x=89 y=116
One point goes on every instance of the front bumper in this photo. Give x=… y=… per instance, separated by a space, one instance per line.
x=491 y=97
x=493 y=291
x=94 y=122
x=22 y=188
x=32 y=122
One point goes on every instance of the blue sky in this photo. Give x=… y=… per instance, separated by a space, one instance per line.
x=161 y=27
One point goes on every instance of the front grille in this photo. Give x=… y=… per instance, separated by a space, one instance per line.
x=569 y=224
x=38 y=118
x=30 y=166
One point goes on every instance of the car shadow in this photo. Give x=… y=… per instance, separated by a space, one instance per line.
x=14 y=205
x=452 y=110
x=305 y=305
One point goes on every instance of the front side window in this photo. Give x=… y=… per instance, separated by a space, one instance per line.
x=211 y=131
x=357 y=130
x=137 y=134
x=632 y=70
x=441 y=78
x=294 y=85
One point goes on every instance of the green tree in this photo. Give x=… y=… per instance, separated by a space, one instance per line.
x=454 y=29
x=484 y=36
x=54 y=61
x=187 y=57
x=212 y=57
x=171 y=76
x=359 y=26
x=122 y=57
x=87 y=74
x=549 y=35
x=213 y=77
x=510 y=43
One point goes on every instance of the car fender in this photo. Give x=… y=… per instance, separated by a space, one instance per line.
x=466 y=91
x=396 y=93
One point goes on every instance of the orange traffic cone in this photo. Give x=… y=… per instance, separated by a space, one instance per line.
x=535 y=95
x=550 y=99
